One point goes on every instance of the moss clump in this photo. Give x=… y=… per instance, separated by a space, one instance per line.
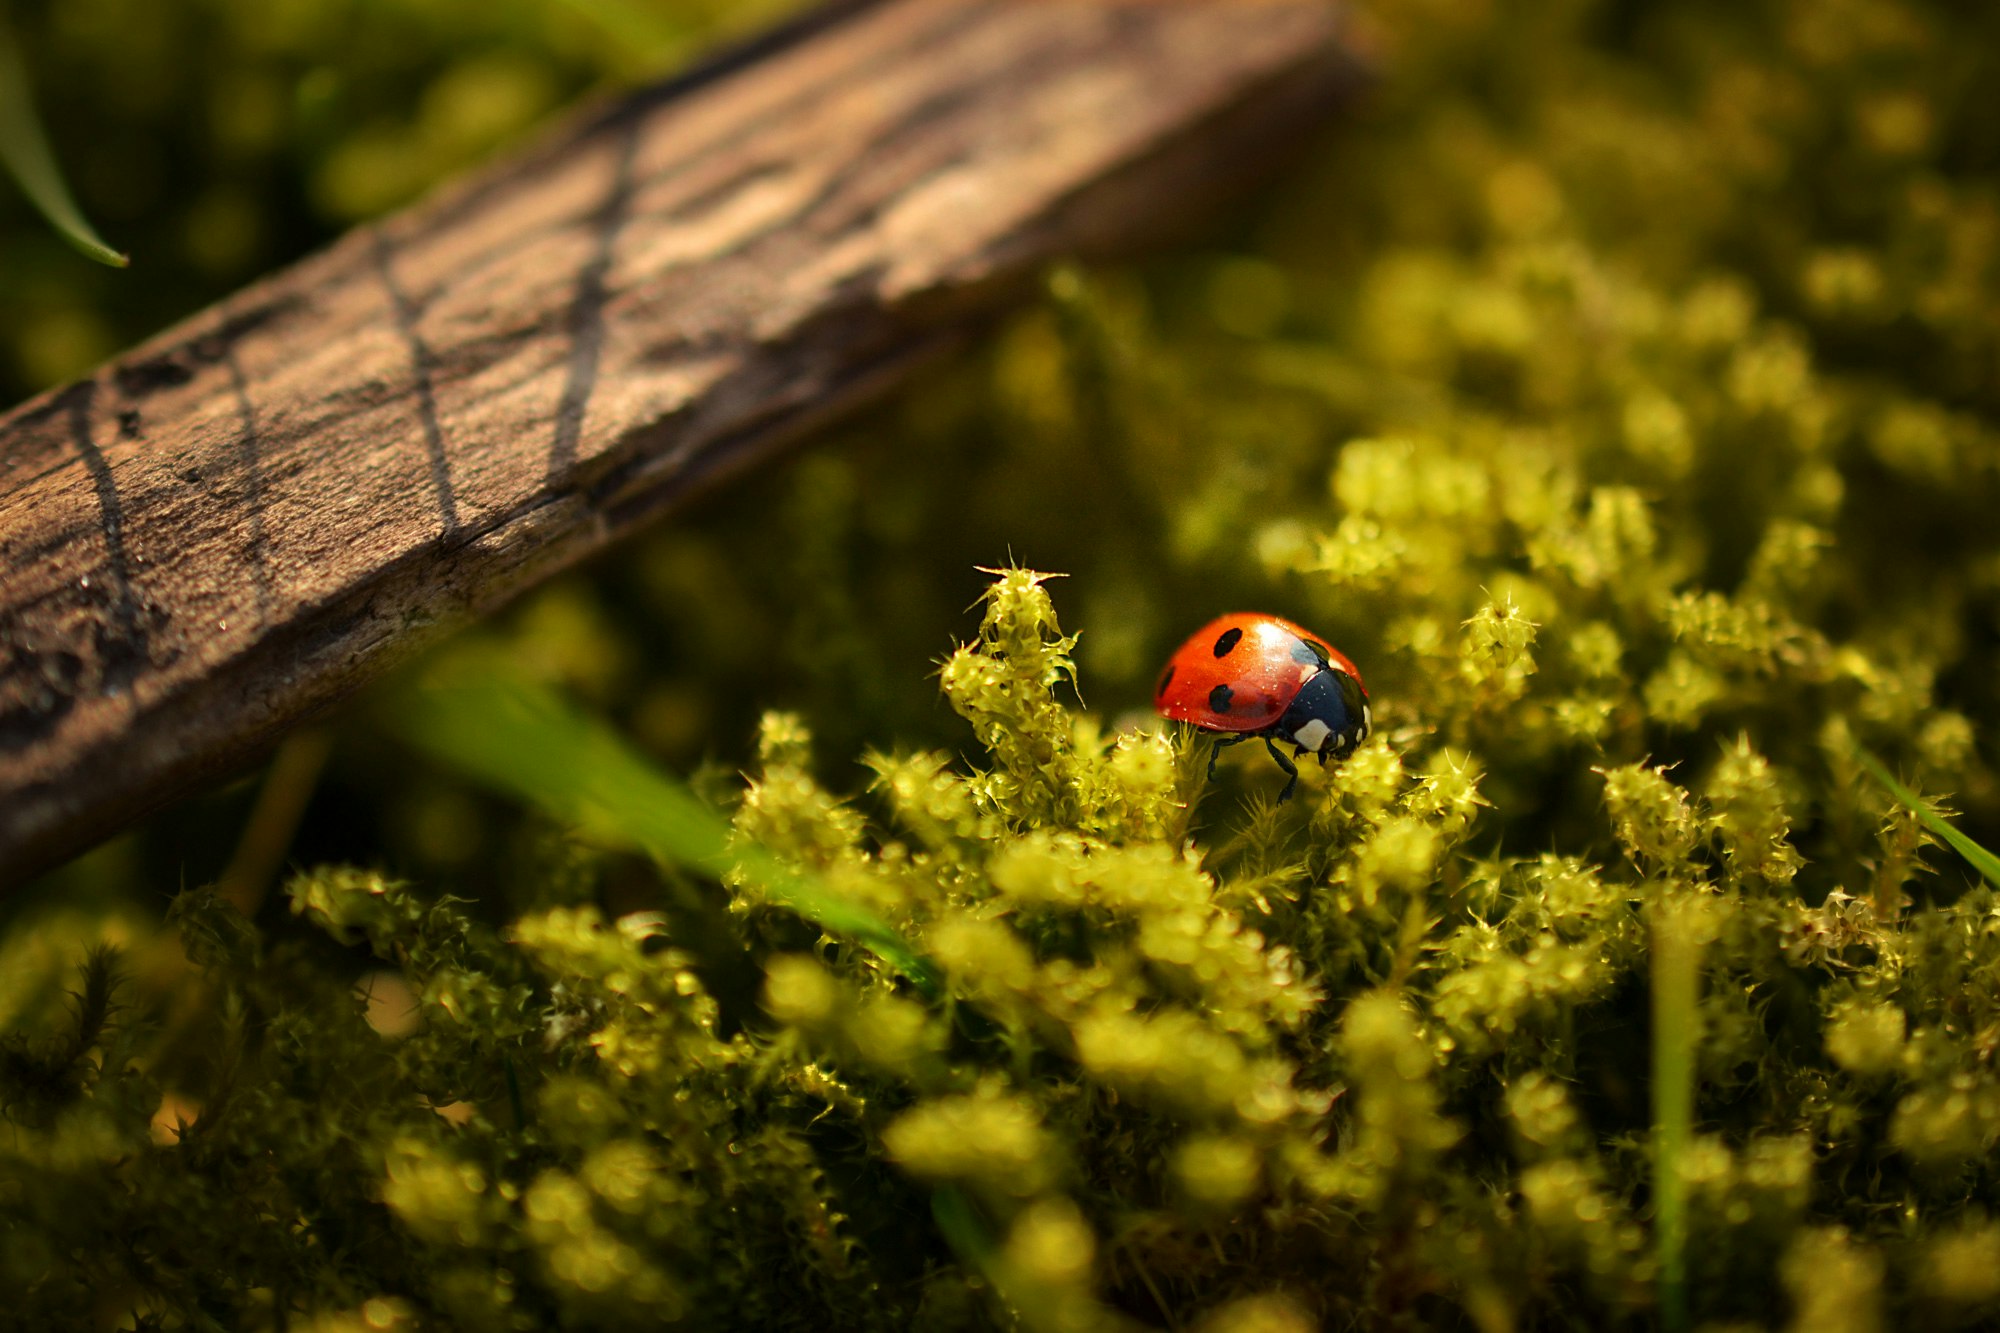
x=1349 y=1069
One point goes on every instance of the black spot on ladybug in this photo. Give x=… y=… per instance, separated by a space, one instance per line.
x=1220 y=698
x=1230 y=638
x=1166 y=679
x=1320 y=650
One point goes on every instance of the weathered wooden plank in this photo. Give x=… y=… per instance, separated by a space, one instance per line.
x=248 y=516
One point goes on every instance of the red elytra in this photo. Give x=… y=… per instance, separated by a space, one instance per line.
x=1248 y=675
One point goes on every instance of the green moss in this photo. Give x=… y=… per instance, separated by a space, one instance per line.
x=1144 y=1078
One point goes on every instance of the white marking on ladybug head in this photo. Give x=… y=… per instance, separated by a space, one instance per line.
x=1312 y=735
x=1367 y=723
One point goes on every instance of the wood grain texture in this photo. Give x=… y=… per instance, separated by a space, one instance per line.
x=242 y=520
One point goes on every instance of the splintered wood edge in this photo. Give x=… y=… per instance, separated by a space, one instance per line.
x=241 y=521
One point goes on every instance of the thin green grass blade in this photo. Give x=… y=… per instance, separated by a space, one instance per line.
x=1679 y=929
x=523 y=740
x=1985 y=862
x=24 y=151
x=963 y=1228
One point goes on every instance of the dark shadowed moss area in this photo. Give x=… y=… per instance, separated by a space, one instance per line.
x=1620 y=389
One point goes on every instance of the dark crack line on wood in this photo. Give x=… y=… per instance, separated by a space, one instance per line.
x=249 y=450
x=940 y=123
x=805 y=103
x=121 y=666
x=720 y=65
x=202 y=348
x=586 y=321
x=421 y=368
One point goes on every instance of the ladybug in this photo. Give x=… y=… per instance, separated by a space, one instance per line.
x=1247 y=676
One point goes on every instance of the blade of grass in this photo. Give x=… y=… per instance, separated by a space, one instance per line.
x=963 y=1229
x=1037 y=1306
x=274 y=819
x=1680 y=929
x=523 y=740
x=24 y=151
x=1985 y=862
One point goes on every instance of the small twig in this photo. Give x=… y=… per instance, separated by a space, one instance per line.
x=274 y=820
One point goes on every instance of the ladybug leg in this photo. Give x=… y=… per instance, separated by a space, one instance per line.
x=1291 y=770
x=1215 y=751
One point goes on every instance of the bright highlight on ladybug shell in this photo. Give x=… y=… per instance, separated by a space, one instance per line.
x=1247 y=677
